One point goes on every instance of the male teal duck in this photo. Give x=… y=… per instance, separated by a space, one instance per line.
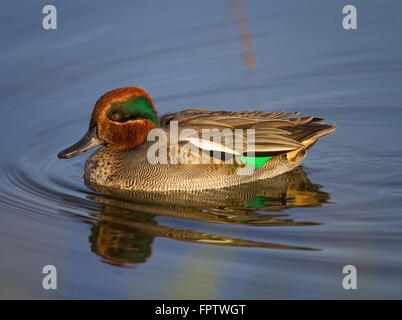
x=124 y=122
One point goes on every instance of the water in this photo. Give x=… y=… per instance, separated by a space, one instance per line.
x=289 y=238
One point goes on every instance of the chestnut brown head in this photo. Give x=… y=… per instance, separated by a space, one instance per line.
x=121 y=119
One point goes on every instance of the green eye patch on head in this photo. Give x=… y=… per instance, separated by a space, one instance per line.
x=132 y=109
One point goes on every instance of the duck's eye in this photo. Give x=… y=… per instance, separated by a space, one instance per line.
x=123 y=116
x=117 y=116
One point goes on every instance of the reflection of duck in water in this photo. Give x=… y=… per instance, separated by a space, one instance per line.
x=123 y=119
x=127 y=225
x=119 y=244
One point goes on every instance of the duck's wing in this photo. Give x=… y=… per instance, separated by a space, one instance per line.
x=274 y=133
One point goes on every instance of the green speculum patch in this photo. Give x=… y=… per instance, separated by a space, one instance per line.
x=132 y=109
x=255 y=162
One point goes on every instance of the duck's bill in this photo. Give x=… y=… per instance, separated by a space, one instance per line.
x=89 y=141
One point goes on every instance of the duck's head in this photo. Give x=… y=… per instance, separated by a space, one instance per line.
x=121 y=119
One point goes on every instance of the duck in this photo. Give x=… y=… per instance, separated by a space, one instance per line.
x=142 y=151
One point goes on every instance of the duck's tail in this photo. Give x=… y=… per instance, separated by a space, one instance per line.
x=308 y=137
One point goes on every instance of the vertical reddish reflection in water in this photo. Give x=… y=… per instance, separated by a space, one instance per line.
x=239 y=15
